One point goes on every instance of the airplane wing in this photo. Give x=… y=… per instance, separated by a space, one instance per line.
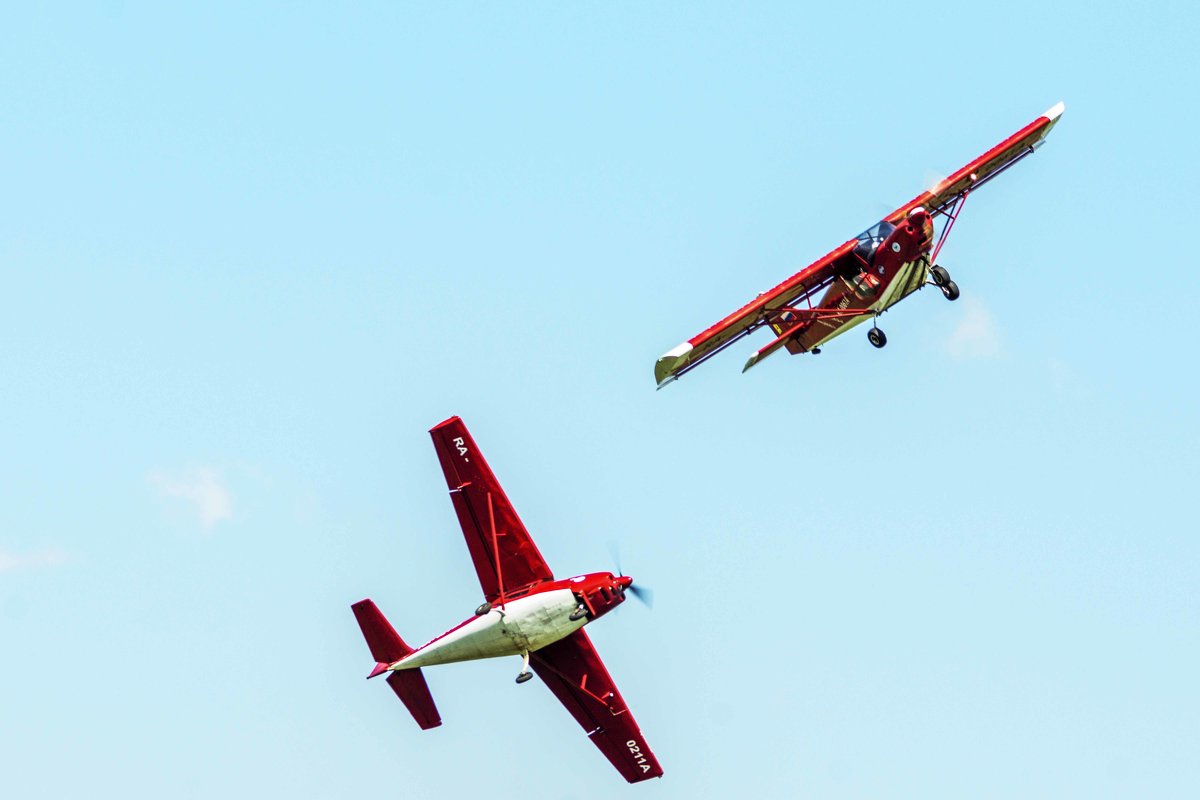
x=758 y=312
x=505 y=557
x=941 y=197
x=572 y=669
x=768 y=306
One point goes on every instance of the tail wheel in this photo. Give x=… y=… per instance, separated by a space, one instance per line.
x=524 y=676
x=951 y=290
x=483 y=609
x=939 y=275
x=876 y=337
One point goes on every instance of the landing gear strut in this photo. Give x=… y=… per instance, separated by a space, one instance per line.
x=525 y=674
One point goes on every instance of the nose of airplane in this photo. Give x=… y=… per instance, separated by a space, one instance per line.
x=624 y=581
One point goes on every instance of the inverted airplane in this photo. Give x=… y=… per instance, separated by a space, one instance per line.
x=865 y=276
x=526 y=613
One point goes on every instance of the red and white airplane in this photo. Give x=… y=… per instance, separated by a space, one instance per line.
x=865 y=276
x=526 y=612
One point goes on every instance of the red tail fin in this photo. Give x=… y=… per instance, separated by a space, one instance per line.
x=387 y=648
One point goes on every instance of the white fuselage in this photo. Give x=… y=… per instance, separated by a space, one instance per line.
x=522 y=625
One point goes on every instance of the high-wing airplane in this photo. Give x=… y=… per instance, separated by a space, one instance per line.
x=526 y=612
x=865 y=276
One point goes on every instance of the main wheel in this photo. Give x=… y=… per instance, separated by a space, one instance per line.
x=876 y=337
x=951 y=290
x=524 y=676
x=940 y=275
x=483 y=609
x=577 y=614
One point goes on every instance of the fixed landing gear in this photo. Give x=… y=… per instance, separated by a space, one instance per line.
x=525 y=674
x=941 y=279
x=483 y=609
x=876 y=337
x=579 y=613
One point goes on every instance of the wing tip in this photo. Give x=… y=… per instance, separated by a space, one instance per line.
x=454 y=420
x=1055 y=111
x=669 y=362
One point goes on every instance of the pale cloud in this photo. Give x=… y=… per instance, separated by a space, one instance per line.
x=202 y=488
x=38 y=559
x=976 y=335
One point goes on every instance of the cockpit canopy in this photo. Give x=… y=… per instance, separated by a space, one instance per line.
x=870 y=239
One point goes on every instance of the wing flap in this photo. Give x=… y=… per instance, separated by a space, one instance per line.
x=573 y=671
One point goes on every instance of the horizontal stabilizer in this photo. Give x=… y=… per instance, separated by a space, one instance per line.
x=775 y=344
x=409 y=685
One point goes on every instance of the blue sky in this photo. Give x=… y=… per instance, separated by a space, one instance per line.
x=251 y=255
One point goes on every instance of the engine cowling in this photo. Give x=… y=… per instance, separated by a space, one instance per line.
x=603 y=592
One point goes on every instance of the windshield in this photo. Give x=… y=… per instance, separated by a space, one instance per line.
x=871 y=238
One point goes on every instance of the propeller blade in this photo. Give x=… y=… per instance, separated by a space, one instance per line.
x=643 y=594
x=614 y=552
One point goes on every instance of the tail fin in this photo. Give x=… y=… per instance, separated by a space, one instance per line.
x=387 y=648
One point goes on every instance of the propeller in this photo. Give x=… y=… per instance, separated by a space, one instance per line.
x=643 y=593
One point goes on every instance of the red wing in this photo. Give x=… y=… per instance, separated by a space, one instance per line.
x=572 y=669
x=982 y=169
x=489 y=522
x=759 y=311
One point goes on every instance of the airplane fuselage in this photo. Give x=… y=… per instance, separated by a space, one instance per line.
x=525 y=624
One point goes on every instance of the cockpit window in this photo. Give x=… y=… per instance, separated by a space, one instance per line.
x=870 y=239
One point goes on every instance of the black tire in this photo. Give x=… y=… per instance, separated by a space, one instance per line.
x=483 y=609
x=951 y=291
x=940 y=275
x=577 y=614
x=877 y=337
x=524 y=676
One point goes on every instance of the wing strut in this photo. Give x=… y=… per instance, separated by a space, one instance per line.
x=953 y=213
x=496 y=549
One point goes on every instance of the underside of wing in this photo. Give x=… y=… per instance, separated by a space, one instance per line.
x=978 y=172
x=572 y=669
x=505 y=557
x=768 y=308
